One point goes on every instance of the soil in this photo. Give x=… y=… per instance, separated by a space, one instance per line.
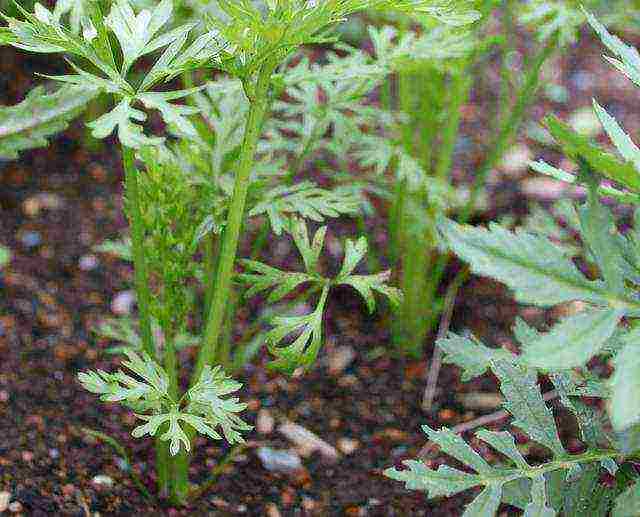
x=57 y=203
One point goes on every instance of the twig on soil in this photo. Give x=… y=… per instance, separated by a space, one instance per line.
x=478 y=422
x=122 y=452
x=199 y=491
x=443 y=329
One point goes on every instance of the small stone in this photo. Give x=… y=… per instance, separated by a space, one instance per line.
x=15 y=507
x=516 y=159
x=102 y=480
x=122 y=303
x=31 y=239
x=272 y=510
x=340 y=359
x=68 y=490
x=5 y=497
x=265 y=422
x=309 y=505
x=585 y=122
x=480 y=400
x=27 y=456
x=54 y=454
x=279 y=460
x=88 y=262
x=348 y=445
x=540 y=187
x=307 y=442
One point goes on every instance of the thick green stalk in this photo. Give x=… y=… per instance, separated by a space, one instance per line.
x=143 y=293
x=231 y=235
x=460 y=87
x=508 y=128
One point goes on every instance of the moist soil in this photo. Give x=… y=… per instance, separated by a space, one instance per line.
x=58 y=203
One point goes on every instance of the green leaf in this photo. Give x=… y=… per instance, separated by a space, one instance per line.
x=504 y=443
x=135 y=32
x=304 y=349
x=122 y=119
x=310 y=250
x=627 y=148
x=304 y=200
x=5 y=256
x=573 y=341
x=538 y=507
x=628 y=503
x=40 y=116
x=486 y=504
x=579 y=147
x=206 y=399
x=453 y=445
x=174 y=115
x=446 y=481
x=524 y=401
x=536 y=270
x=264 y=277
x=367 y=284
x=470 y=354
x=628 y=59
x=624 y=407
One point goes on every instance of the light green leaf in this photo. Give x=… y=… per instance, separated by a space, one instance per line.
x=627 y=148
x=538 y=507
x=573 y=341
x=41 y=115
x=624 y=407
x=453 y=445
x=628 y=503
x=533 y=267
x=504 y=443
x=367 y=284
x=446 y=481
x=628 y=61
x=310 y=250
x=470 y=354
x=174 y=115
x=579 y=147
x=263 y=277
x=122 y=119
x=524 y=401
x=304 y=349
x=486 y=504
x=5 y=256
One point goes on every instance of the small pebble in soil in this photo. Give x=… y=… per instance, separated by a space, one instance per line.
x=307 y=442
x=272 y=510
x=102 y=480
x=15 y=507
x=348 y=445
x=31 y=239
x=279 y=460
x=122 y=303
x=88 y=262
x=5 y=497
x=265 y=422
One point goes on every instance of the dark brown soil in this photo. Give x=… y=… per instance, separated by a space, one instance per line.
x=49 y=304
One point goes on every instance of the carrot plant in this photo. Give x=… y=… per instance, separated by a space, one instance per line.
x=194 y=191
x=429 y=90
x=570 y=355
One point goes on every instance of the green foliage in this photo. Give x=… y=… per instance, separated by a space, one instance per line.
x=147 y=394
x=5 y=256
x=261 y=277
x=38 y=117
x=541 y=272
x=534 y=483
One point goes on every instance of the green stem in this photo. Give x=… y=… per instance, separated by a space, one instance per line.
x=143 y=293
x=460 y=87
x=510 y=126
x=257 y=112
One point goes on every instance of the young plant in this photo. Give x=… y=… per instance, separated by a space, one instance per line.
x=542 y=273
x=171 y=210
